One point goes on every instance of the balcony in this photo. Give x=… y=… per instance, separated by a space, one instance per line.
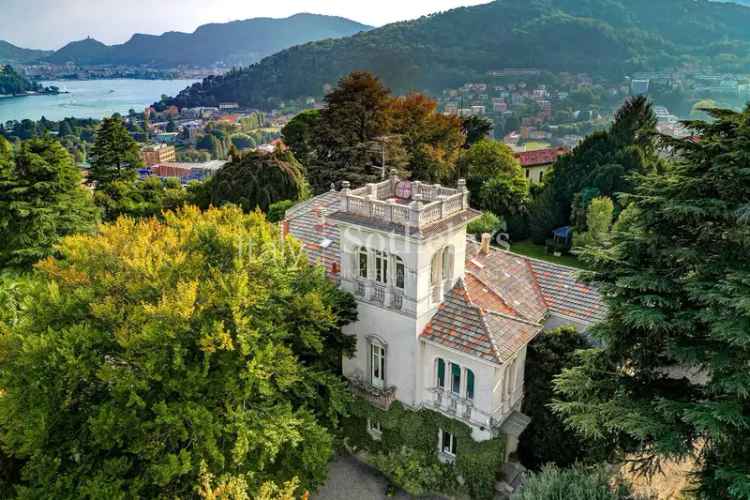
x=378 y=294
x=380 y=398
x=411 y=204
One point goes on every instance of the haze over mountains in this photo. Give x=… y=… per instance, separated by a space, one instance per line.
x=10 y=54
x=604 y=37
x=233 y=43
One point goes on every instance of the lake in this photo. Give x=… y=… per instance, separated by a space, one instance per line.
x=89 y=99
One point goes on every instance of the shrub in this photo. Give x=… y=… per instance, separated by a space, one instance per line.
x=576 y=483
x=487 y=223
x=277 y=211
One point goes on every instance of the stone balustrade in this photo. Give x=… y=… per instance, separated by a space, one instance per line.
x=427 y=203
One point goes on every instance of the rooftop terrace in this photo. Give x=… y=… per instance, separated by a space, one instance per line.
x=412 y=205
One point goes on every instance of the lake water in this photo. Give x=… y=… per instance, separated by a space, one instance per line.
x=89 y=99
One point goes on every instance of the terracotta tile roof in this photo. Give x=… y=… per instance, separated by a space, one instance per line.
x=463 y=325
x=565 y=294
x=540 y=156
x=510 y=276
x=309 y=223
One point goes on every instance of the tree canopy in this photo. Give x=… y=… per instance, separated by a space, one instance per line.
x=41 y=200
x=671 y=374
x=155 y=355
x=115 y=155
x=256 y=180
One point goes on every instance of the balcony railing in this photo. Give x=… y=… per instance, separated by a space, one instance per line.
x=466 y=410
x=429 y=203
x=380 y=398
x=378 y=294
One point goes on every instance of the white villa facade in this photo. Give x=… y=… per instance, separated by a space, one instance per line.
x=444 y=322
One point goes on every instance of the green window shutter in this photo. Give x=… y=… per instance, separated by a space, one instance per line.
x=455 y=378
x=469 y=384
x=440 y=373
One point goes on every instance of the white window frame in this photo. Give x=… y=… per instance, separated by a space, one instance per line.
x=374 y=429
x=377 y=353
x=363 y=253
x=448 y=449
x=380 y=261
x=399 y=262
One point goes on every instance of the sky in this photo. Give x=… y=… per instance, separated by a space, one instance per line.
x=50 y=24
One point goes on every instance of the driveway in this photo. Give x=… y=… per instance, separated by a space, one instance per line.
x=349 y=479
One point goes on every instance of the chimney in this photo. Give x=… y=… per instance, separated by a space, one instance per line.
x=484 y=247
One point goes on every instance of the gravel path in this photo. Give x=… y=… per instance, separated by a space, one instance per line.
x=349 y=479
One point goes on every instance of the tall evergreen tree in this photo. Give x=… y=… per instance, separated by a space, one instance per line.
x=41 y=200
x=115 y=155
x=672 y=374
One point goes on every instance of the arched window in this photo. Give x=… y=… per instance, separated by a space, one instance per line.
x=455 y=378
x=377 y=363
x=381 y=267
x=440 y=370
x=362 y=257
x=447 y=262
x=400 y=269
x=435 y=271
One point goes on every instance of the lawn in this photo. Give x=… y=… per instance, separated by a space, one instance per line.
x=534 y=145
x=532 y=250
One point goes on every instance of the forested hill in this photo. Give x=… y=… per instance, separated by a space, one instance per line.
x=597 y=36
x=9 y=53
x=233 y=43
x=12 y=83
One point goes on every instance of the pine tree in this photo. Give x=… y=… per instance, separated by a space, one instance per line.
x=115 y=155
x=672 y=375
x=41 y=200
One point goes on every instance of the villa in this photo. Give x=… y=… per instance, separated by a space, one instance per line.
x=444 y=321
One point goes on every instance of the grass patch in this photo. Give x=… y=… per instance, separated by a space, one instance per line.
x=529 y=249
x=535 y=145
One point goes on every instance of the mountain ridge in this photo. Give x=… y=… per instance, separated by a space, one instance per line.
x=12 y=54
x=609 y=37
x=237 y=42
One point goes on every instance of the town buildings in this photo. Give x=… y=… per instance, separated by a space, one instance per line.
x=158 y=153
x=443 y=321
x=536 y=163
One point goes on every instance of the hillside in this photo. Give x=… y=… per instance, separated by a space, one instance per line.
x=233 y=43
x=13 y=83
x=604 y=37
x=10 y=54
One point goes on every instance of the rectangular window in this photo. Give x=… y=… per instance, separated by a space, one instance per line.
x=377 y=365
x=381 y=267
x=448 y=444
x=441 y=373
x=455 y=378
x=400 y=273
x=363 y=264
x=469 y=384
x=374 y=429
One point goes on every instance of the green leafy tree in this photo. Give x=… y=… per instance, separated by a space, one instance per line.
x=671 y=374
x=487 y=223
x=577 y=483
x=115 y=155
x=140 y=198
x=504 y=195
x=484 y=160
x=41 y=200
x=300 y=135
x=155 y=352
x=257 y=180
x=605 y=160
x=475 y=128
x=547 y=440
x=598 y=222
x=355 y=116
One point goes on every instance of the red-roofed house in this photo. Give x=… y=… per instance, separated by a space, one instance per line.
x=537 y=163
